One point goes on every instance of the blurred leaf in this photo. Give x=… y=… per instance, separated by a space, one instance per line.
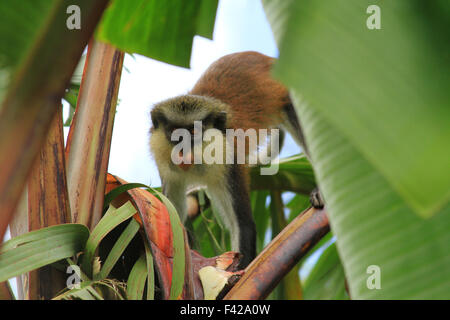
x=326 y=281
x=71 y=97
x=261 y=215
x=39 y=248
x=277 y=213
x=206 y=17
x=374 y=226
x=297 y=205
x=361 y=142
x=26 y=28
x=136 y=280
x=36 y=45
x=386 y=91
x=110 y=220
x=161 y=30
x=295 y=174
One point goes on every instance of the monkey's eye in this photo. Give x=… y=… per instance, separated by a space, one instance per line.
x=216 y=120
x=157 y=119
x=220 y=121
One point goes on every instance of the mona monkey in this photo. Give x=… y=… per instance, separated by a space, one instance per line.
x=235 y=92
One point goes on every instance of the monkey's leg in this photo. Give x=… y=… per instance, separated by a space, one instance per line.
x=232 y=201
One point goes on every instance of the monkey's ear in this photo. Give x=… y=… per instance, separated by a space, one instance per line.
x=220 y=120
x=158 y=118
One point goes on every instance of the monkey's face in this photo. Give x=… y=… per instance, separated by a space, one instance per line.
x=182 y=127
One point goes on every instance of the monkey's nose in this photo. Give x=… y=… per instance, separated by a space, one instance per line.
x=183 y=165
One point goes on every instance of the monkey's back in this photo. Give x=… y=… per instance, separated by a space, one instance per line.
x=243 y=81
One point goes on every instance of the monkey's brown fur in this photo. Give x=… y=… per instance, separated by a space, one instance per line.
x=243 y=81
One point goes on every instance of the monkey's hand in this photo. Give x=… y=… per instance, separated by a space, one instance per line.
x=316 y=199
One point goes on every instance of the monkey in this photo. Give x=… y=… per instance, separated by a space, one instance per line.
x=236 y=92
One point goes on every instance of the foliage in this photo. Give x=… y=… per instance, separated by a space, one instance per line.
x=374 y=108
x=163 y=30
x=373 y=105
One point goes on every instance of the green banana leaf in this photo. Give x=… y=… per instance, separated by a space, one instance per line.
x=41 y=247
x=162 y=30
x=374 y=108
